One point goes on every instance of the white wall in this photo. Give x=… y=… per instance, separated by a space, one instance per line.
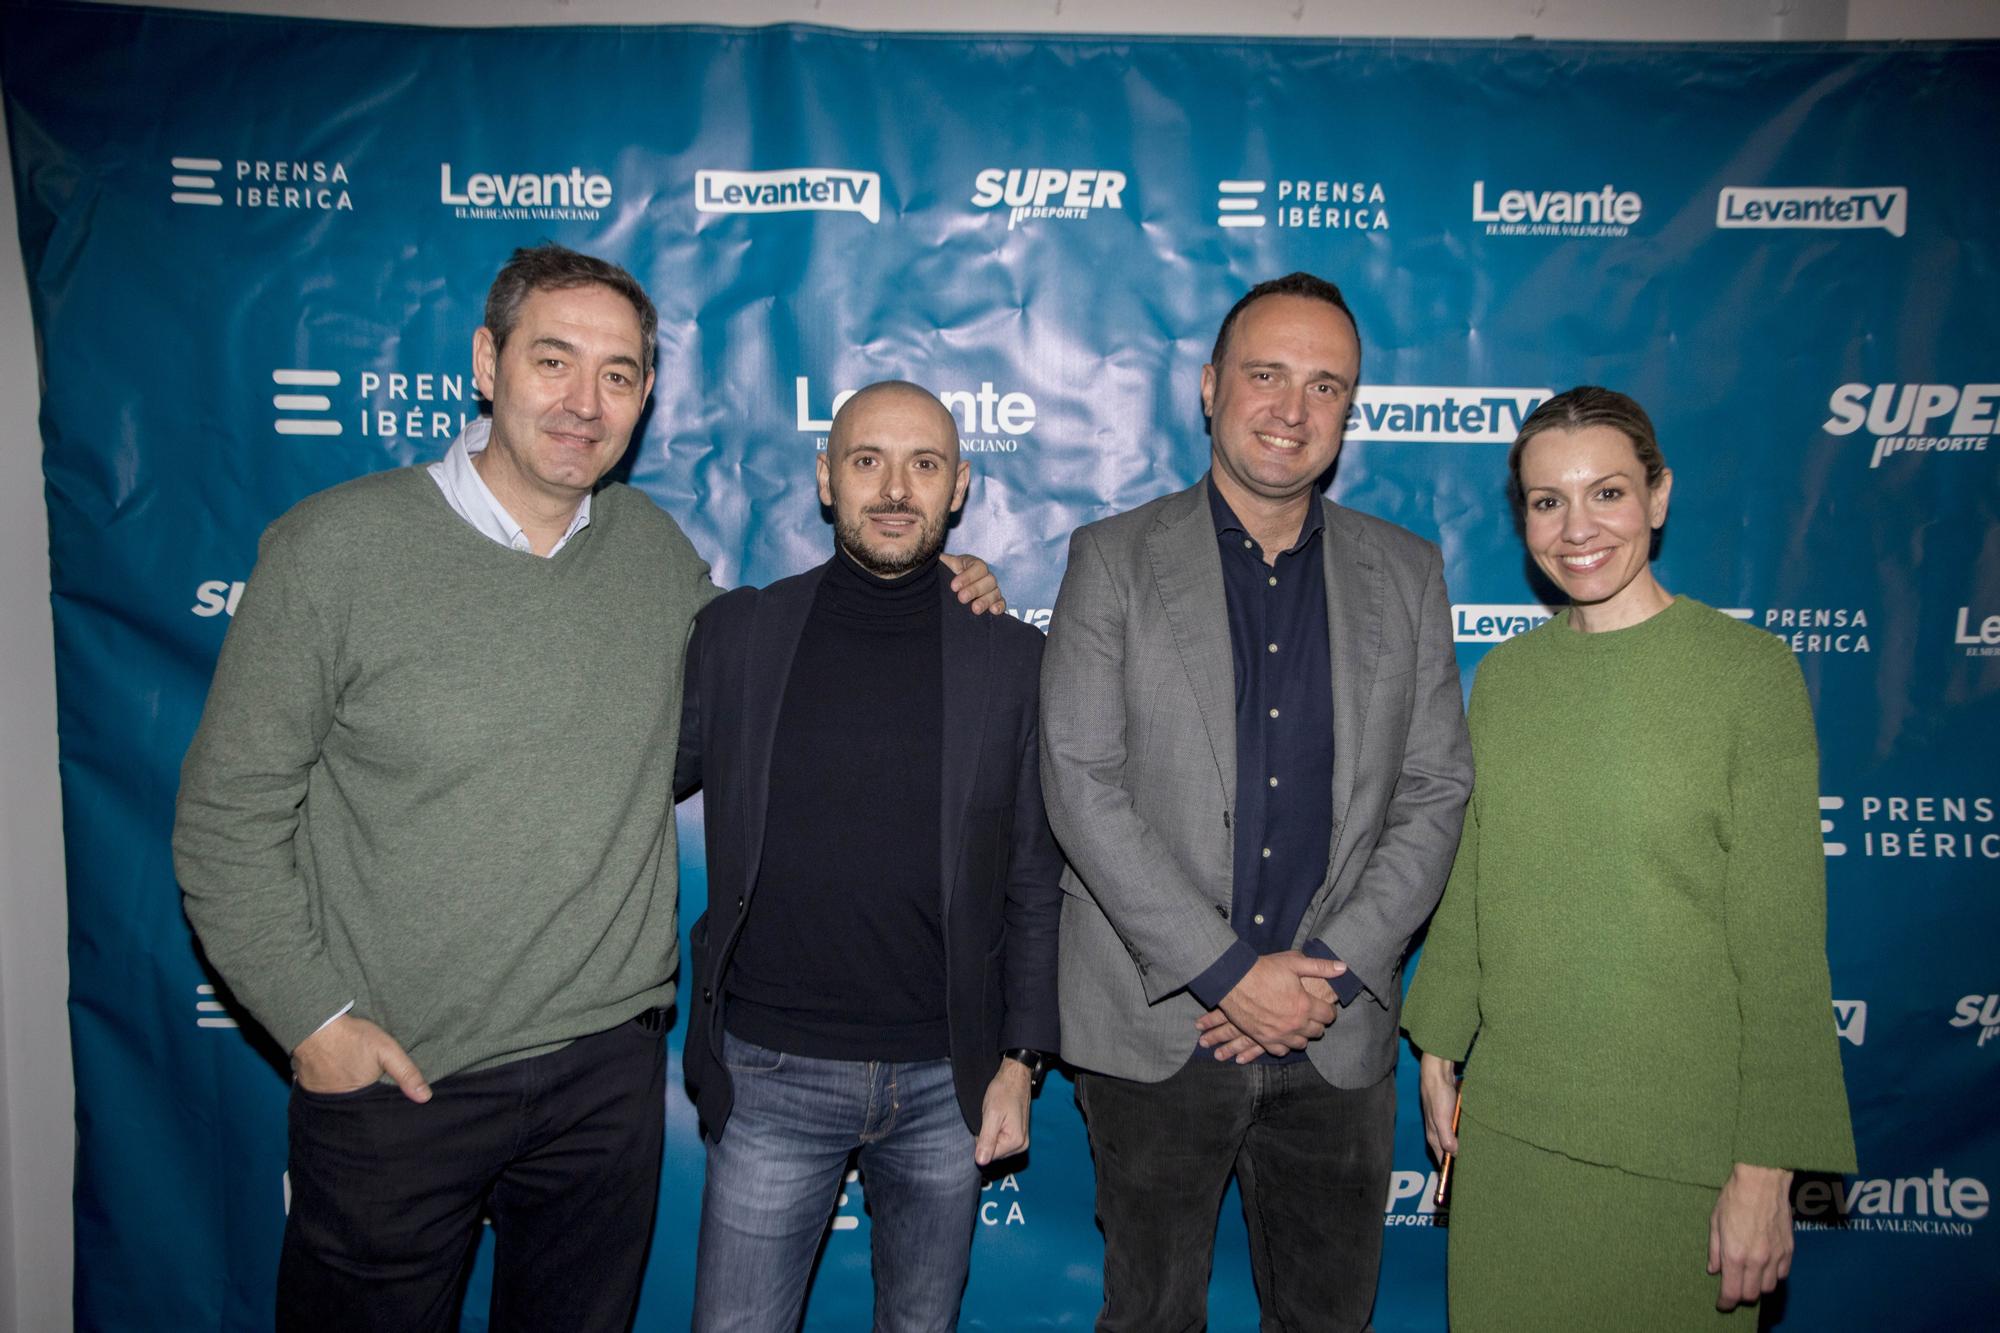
x=36 y=1129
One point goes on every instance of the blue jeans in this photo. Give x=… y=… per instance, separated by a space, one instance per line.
x=775 y=1170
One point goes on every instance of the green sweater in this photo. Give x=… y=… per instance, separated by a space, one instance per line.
x=434 y=776
x=1635 y=927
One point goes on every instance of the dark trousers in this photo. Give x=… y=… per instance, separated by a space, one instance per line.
x=561 y=1151
x=1312 y=1163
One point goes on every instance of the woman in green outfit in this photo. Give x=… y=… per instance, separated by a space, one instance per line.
x=1634 y=931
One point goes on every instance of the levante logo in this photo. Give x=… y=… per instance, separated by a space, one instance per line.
x=1496 y=622
x=1605 y=211
x=572 y=194
x=989 y=421
x=1936 y=1204
x=1978 y=636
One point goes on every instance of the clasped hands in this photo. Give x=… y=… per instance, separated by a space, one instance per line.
x=1281 y=1003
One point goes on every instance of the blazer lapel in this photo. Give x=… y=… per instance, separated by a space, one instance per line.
x=1354 y=595
x=968 y=656
x=1187 y=568
x=774 y=641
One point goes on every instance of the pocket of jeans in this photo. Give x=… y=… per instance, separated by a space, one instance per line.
x=350 y=1095
x=743 y=1057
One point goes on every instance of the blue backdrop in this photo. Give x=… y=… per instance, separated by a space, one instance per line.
x=257 y=249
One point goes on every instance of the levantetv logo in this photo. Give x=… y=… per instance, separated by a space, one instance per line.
x=1431 y=414
x=790 y=190
x=550 y=196
x=1814 y=207
x=1606 y=211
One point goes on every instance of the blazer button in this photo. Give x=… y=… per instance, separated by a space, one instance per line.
x=707 y=995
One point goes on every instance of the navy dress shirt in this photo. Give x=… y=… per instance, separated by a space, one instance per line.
x=1283 y=818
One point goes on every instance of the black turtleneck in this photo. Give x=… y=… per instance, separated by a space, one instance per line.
x=842 y=957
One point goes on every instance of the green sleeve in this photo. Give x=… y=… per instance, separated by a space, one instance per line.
x=1441 y=1012
x=1791 y=1109
x=243 y=782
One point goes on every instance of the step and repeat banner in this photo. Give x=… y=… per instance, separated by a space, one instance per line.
x=258 y=249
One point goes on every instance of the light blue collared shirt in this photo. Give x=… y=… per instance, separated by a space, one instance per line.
x=467 y=494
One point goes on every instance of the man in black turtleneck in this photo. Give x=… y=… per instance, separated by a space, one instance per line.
x=876 y=971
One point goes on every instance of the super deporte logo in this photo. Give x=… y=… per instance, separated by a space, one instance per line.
x=1033 y=193
x=1904 y=417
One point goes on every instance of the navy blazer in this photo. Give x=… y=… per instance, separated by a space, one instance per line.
x=1000 y=872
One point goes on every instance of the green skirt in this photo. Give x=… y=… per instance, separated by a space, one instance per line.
x=1542 y=1242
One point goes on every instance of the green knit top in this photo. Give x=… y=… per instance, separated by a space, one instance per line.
x=1635 y=926
x=434 y=776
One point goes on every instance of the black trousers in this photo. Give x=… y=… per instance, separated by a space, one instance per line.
x=562 y=1151
x=1312 y=1164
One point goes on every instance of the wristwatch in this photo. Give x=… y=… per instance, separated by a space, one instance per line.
x=1036 y=1062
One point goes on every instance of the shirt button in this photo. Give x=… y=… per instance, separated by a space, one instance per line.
x=1274 y=712
x=1267 y=853
x=1274 y=782
x=1246 y=543
x=1273 y=580
x=1259 y=918
x=1273 y=647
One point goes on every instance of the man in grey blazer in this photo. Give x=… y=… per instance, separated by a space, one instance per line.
x=1254 y=757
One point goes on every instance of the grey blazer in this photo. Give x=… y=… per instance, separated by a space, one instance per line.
x=1139 y=774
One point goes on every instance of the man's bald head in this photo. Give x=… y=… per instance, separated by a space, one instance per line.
x=896 y=405
x=892 y=476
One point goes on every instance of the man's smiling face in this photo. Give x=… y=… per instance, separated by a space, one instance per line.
x=1278 y=402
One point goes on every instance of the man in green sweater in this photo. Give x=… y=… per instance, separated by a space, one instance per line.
x=425 y=833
